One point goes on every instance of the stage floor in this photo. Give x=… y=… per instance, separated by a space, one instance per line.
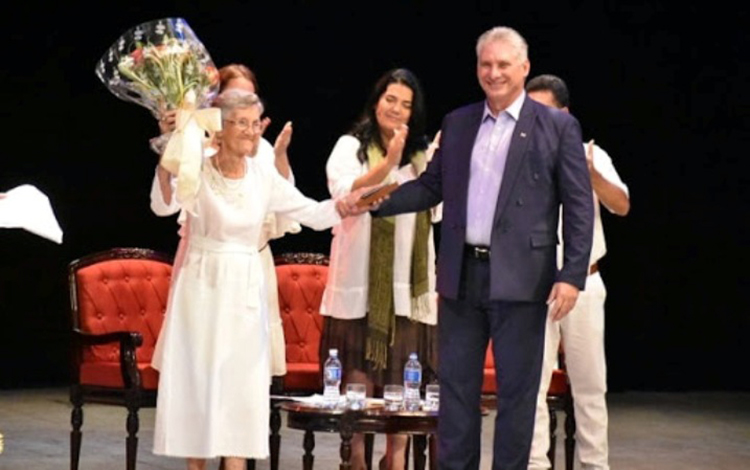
x=663 y=431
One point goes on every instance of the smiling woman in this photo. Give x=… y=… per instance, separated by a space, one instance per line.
x=380 y=297
x=213 y=351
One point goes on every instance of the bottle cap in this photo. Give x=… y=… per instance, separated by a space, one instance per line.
x=333 y=352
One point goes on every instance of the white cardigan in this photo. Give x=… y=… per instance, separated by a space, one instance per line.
x=345 y=295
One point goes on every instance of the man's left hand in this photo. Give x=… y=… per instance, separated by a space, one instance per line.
x=561 y=300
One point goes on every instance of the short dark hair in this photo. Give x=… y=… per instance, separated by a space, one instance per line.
x=554 y=85
x=366 y=128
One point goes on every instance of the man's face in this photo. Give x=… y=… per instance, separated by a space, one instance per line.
x=546 y=98
x=501 y=73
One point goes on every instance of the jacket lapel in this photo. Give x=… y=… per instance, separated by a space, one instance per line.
x=516 y=153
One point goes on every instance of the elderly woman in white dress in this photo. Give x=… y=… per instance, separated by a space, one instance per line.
x=213 y=353
x=240 y=77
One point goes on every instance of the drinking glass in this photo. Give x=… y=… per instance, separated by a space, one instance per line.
x=355 y=396
x=432 y=397
x=393 y=395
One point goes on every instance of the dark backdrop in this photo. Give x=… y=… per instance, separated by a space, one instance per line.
x=662 y=90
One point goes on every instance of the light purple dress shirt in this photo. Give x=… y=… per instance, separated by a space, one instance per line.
x=487 y=167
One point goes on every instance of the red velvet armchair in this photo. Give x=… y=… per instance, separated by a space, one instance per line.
x=118 y=299
x=559 y=398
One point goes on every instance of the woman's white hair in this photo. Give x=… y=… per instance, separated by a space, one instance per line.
x=233 y=99
x=507 y=35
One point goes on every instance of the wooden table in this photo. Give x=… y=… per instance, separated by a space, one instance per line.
x=373 y=419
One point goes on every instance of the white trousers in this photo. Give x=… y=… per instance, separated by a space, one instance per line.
x=582 y=333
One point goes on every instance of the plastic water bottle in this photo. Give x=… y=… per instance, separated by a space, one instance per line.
x=412 y=382
x=331 y=379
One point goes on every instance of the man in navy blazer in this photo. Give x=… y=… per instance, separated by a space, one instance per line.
x=504 y=168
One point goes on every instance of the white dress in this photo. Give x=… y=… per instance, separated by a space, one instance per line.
x=213 y=349
x=273 y=227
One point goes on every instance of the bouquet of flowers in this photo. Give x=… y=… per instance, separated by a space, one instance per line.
x=162 y=65
x=156 y=64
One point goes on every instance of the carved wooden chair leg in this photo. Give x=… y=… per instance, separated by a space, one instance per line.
x=132 y=440
x=76 y=421
x=570 y=433
x=274 y=440
x=552 y=451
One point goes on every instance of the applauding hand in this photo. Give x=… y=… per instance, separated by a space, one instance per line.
x=396 y=145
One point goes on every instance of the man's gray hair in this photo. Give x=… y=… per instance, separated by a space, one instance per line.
x=233 y=99
x=507 y=35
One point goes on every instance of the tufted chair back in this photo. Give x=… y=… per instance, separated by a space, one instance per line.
x=118 y=298
x=301 y=281
x=115 y=293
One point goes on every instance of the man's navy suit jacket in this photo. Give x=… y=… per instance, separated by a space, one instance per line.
x=545 y=167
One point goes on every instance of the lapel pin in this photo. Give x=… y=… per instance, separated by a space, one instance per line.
x=523 y=134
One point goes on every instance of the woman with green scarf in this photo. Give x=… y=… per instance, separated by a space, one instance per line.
x=380 y=298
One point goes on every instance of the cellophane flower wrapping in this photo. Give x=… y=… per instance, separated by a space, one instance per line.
x=162 y=65
x=156 y=64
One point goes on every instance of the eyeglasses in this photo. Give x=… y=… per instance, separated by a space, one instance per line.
x=244 y=124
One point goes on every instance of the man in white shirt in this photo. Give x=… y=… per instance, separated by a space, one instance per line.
x=582 y=331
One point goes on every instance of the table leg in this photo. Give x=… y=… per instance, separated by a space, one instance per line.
x=308 y=445
x=346 y=430
x=420 y=444
x=432 y=443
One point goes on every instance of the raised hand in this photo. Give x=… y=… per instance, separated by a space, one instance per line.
x=396 y=145
x=434 y=145
x=264 y=123
x=590 y=155
x=283 y=140
x=168 y=121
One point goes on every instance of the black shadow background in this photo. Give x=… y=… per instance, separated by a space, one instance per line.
x=662 y=89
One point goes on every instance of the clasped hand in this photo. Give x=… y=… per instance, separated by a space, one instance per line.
x=352 y=203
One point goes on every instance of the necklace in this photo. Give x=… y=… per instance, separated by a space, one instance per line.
x=230 y=189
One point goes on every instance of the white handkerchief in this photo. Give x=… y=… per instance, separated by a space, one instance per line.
x=28 y=208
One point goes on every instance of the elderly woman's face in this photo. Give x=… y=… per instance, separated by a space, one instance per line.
x=241 y=131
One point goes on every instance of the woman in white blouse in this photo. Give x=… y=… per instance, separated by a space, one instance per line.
x=380 y=298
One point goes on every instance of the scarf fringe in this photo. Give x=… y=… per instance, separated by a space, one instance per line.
x=420 y=307
x=376 y=351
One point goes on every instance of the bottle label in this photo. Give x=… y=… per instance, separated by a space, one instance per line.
x=412 y=376
x=333 y=373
